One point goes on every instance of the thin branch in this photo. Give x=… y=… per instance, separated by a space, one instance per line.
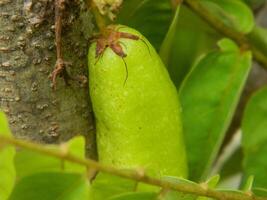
x=197 y=189
x=60 y=63
x=218 y=25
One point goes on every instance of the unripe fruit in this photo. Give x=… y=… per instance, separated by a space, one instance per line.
x=135 y=104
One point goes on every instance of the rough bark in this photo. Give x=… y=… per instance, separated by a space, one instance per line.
x=27 y=57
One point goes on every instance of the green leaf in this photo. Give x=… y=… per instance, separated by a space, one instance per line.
x=235 y=14
x=249 y=183
x=258 y=37
x=75 y=147
x=166 y=46
x=51 y=186
x=105 y=186
x=209 y=96
x=211 y=183
x=7 y=169
x=254 y=140
x=187 y=46
x=28 y=162
x=146 y=16
x=262 y=192
x=136 y=196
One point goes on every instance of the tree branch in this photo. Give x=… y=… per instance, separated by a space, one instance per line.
x=198 y=189
x=217 y=24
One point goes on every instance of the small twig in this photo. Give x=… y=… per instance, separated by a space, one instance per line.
x=196 y=189
x=60 y=66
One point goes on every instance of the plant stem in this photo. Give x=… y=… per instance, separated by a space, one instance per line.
x=218 y=25
x=198 y=189
x=99 y=18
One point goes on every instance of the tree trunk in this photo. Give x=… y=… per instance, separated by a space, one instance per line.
x=27 y=57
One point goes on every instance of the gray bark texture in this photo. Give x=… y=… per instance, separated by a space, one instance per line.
x=27 y=58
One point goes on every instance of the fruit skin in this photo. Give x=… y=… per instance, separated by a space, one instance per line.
x=138 y=123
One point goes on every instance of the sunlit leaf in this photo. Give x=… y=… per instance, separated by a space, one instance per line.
x=29 y=162
x=105 y=186
x=7 y=169
x=75 y=147
x=248 y=184
x=211 y=183
x=209 y=96
x=51 y=186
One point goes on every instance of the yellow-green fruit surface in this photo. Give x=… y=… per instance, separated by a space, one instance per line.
x=138 y=121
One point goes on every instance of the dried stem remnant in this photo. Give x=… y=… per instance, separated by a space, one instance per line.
x=60 y=66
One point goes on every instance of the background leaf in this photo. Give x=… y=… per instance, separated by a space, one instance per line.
x=234 y=14
x=166 y=46
x=258 y=37
x=7 y=169
x=145 y=16
x=105 y=186
x=28 y=162
x=248 y=184
x=255 y=3
x=254 y=141
x=208 y=97
x=51 y=186
x=193 y=38
x=260 y=192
